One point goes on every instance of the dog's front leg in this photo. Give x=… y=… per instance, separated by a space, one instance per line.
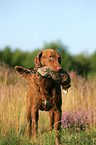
x=51 y=115
x=29 y=119
x=57 y=123
x=35 y=116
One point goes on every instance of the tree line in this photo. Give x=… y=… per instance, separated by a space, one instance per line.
x=82 y=64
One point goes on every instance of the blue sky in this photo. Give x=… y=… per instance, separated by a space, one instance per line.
x=28 y=24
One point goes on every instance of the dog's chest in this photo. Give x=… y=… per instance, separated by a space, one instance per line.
x=46 y=104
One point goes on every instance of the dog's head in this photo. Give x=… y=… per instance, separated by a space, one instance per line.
x=49 y=58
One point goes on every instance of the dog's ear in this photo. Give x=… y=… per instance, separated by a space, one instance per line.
x=37 y=60
x=59 y=59
x=23 y=72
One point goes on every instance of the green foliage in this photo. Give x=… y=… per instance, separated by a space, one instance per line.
x=67 y=137
x=59 y=46
x=6 y=55
x=18 y=57
x=82 y=64
x=93 y=61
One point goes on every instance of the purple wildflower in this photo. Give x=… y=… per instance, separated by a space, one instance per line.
x=79 y=120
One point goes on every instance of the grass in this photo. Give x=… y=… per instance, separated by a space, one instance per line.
x=79 y=106
x=87 y=137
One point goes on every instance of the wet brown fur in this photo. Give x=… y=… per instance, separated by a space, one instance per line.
x=40 y=90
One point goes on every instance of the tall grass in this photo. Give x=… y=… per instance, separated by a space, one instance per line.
x=13 y=122
x=81 y=94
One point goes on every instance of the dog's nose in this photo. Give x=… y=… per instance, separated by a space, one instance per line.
x=59 y=68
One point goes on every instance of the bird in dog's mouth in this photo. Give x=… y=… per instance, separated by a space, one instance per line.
x=62 y=77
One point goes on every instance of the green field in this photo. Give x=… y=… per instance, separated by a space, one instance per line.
x=78 y=112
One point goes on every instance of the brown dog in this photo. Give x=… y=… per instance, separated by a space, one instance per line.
x=43 y=94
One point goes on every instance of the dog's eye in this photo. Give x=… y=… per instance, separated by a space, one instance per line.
x=50 y=57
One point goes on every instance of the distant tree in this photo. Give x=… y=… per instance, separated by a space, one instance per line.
x=18 y=57
x=29 y=60
x=81 y=64
x=1 y=58
x=58 y=45
x=92 y=60
x=25 y=59
x=7 y=55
